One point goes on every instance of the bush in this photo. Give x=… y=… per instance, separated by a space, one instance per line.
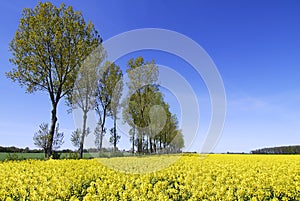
x=12 y=157
x=56 y=155
x=110 y=154
x=72 y=155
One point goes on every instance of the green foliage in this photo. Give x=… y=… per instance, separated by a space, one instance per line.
x=99 y=134
x=48 y=48
x=72 y=155
x=114 y=138
x=109 y=92
x=154 y=128
x=109 y=88
x=12 y=157
x=84 y=90
x=295 y=149
x=143 y=76
x=85 y=87
x=76 y=136
x=42 y=136
x=56 y=155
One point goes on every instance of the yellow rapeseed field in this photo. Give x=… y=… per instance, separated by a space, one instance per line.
x=190 y=177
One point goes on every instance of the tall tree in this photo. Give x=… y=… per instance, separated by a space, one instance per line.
x=143 y=76
x=108 y=94
x=156 y=119
x=117 y=82
x=84 y=90
x=48 y=48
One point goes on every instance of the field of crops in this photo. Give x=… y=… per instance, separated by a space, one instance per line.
x=190 y=177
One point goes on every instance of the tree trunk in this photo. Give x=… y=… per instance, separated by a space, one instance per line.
x=83 y=134
x=133 y=139
x=147 y=143
x=52 y=129
x=45 y=152
x=102 y=129
x=151 y=146
x=160 y=143
x=140 y=142
x=115 y=133
x=165 y=141
x=100 y=140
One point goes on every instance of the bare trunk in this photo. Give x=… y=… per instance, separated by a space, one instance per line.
x=83 y=134
x=147 y=144
x=133 y=139
x=140 y=142
x=160 y=143
x=101 y=141
x=102 y=129
x=151 y=146
x=115 y=133
x=52 y=129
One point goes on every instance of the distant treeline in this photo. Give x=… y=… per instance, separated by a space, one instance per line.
x=13 y=149
x=278 y=150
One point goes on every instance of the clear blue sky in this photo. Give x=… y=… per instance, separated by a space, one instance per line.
x=254 y=44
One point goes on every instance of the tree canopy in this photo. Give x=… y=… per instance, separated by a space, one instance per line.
x=154 y=128
x=48 y=48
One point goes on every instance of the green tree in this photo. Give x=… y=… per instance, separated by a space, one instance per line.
x=48 y=48
x=117 y=82
x=84 y=90
x=76 y=137
x=142 y=77
x=114 y=138
x=41 y=138
x=156 y=119
x=177 y=142
x=108 y=94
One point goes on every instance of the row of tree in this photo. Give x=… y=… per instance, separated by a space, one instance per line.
x=154 y=127
x=278 y=150
x=56 y=51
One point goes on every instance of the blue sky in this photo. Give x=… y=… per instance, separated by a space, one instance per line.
x=254 y=44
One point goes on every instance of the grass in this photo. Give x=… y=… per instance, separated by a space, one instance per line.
x=4 y=155
x=40 y=156
x=87 y=155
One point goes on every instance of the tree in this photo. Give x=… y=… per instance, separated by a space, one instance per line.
x=117 y=82
x=83 y=95
x=114 y=138
x=154 y=127
x=41 y=138
x=99 y=133
x=177 y=142
x=143 y=76
x=48 y=49
x=108 y=94
x=157 y=119
x=76 y=137
x=132 y=138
